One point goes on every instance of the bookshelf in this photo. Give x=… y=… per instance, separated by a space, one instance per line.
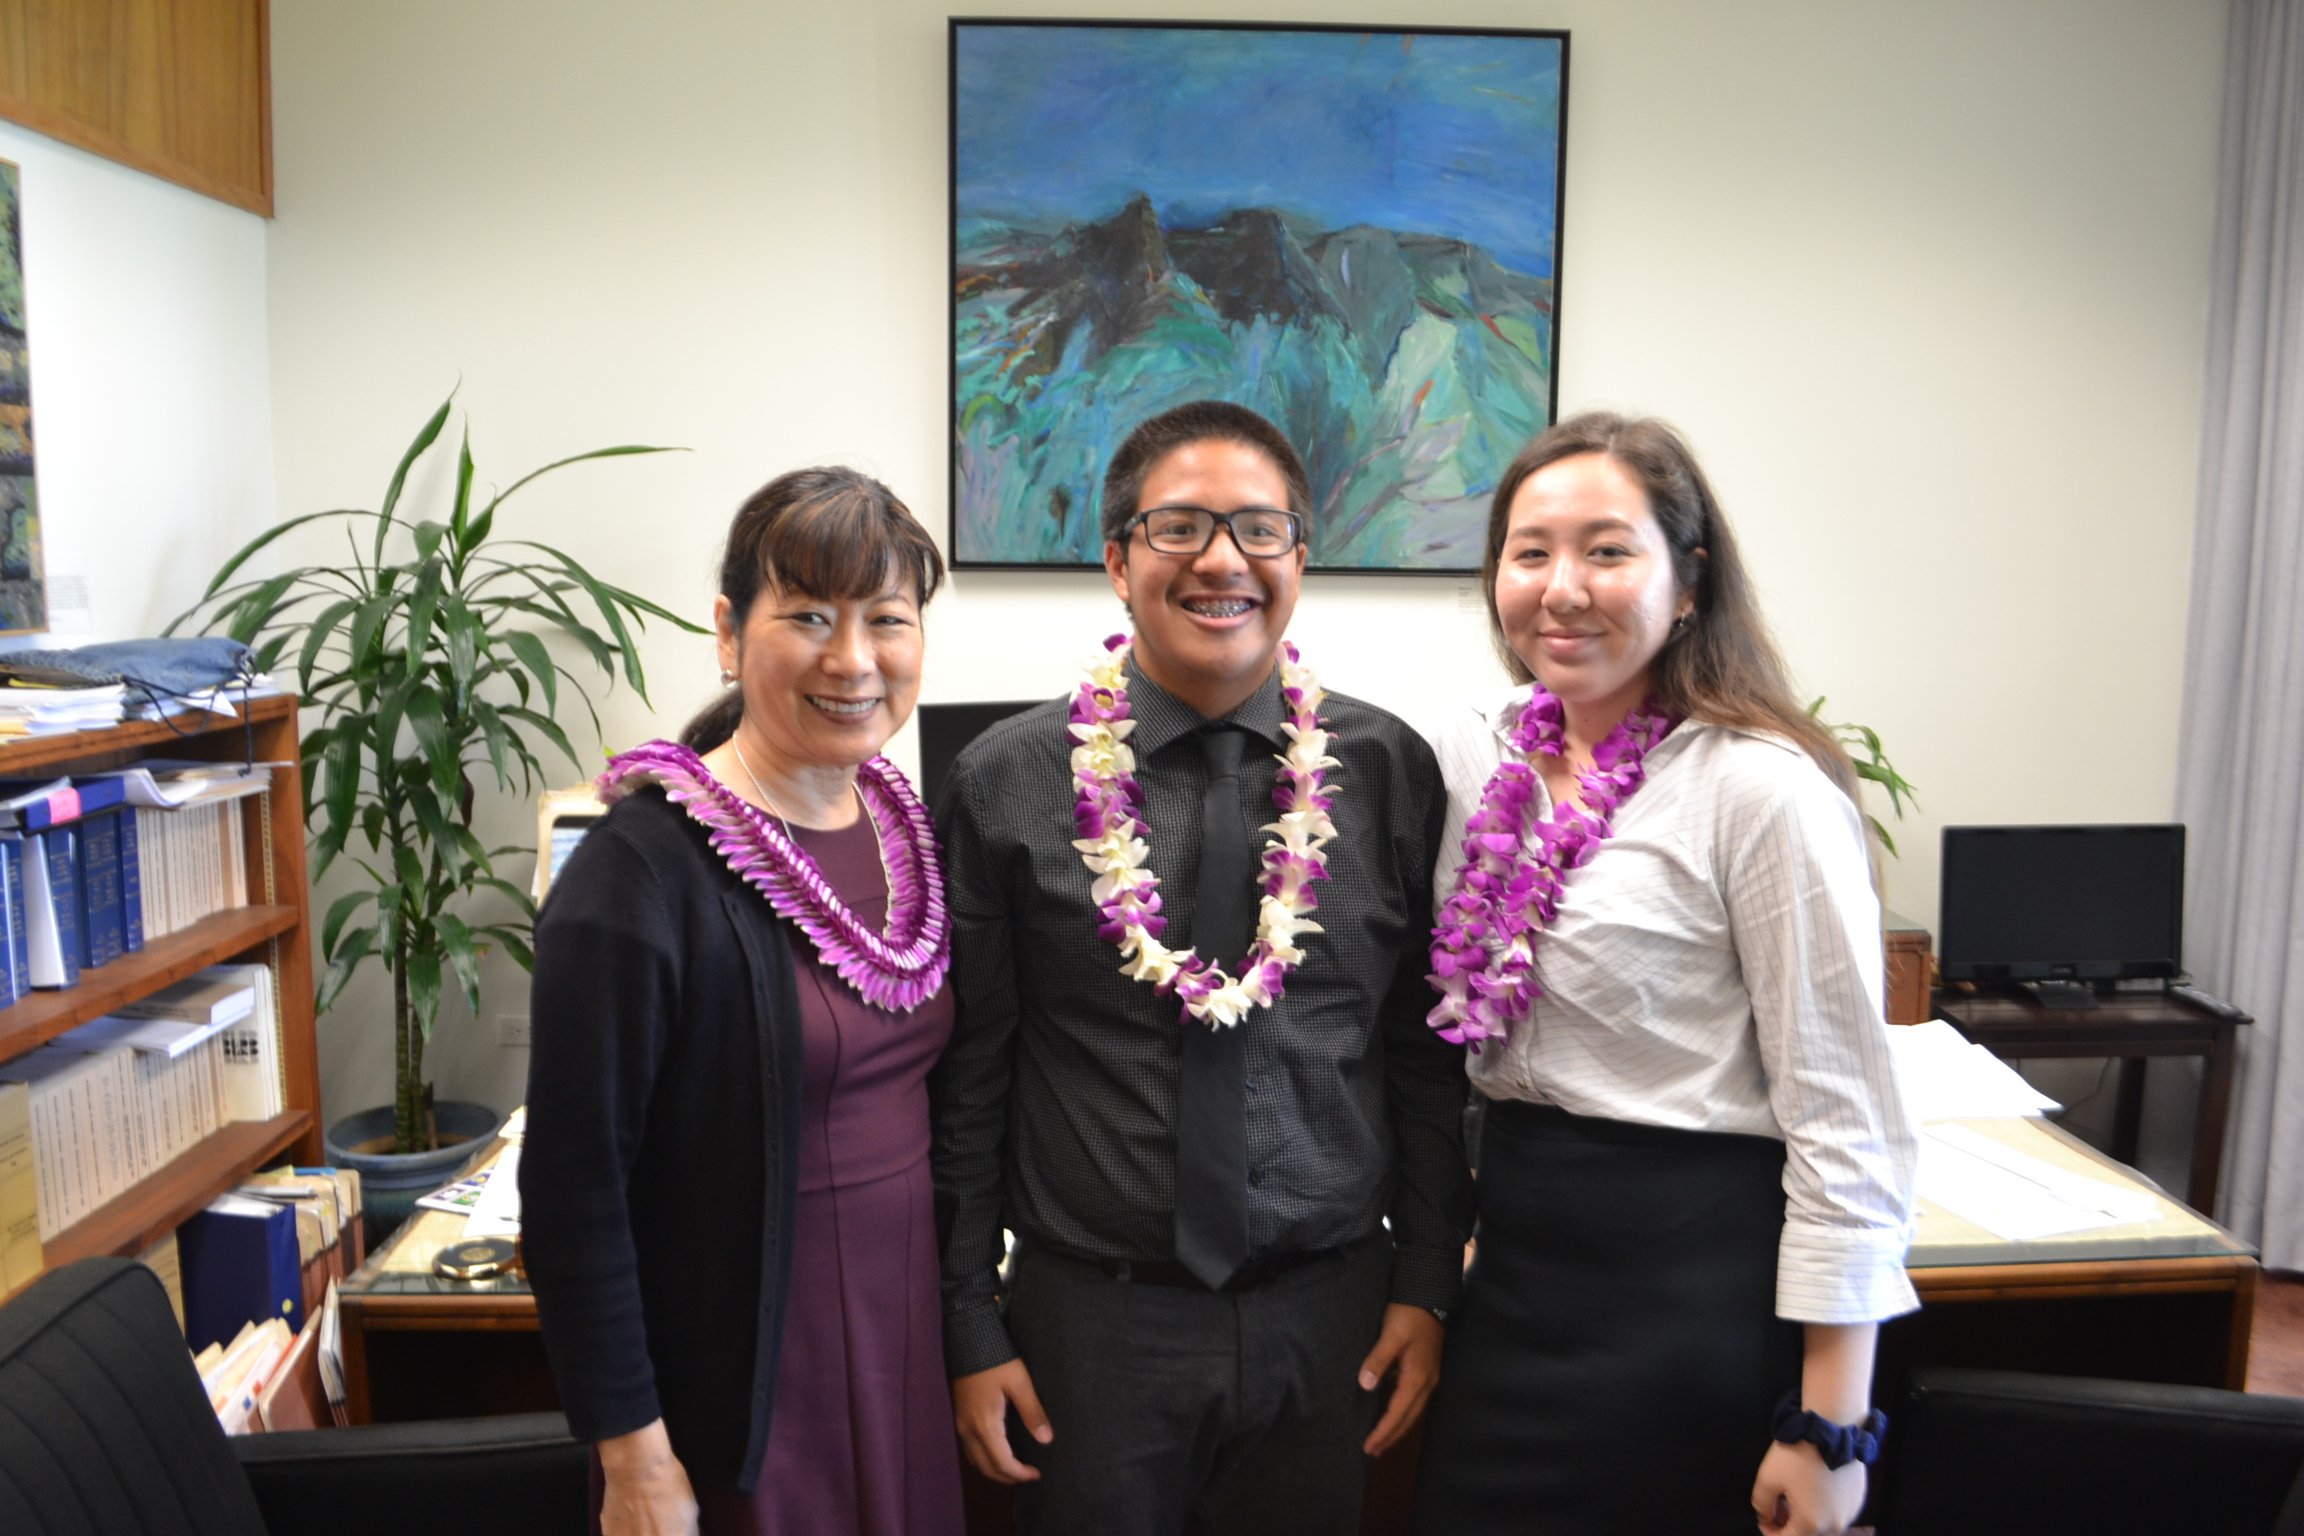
x=275 y=931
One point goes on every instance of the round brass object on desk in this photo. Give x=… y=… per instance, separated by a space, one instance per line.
x=478 y=1258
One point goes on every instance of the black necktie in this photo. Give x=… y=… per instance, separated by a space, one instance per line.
x=1211 y=1129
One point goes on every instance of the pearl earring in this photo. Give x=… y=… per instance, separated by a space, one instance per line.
x=727 y=678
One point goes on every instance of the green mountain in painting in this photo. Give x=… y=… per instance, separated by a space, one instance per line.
x=1407 y=368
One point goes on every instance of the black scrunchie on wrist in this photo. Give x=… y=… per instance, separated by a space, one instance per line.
x=1839 y=1444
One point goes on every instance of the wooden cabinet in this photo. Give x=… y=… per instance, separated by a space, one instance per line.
x=275 y=930
x=181 y=89
x=1911 y=971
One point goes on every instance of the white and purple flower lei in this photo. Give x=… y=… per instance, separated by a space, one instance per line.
x=1484 y=946
x=896 y=970
x=1109 y=818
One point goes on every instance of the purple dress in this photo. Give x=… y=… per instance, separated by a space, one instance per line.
x=861 y=1440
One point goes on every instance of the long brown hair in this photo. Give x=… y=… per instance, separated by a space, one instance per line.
x=832 y=533
x=1723 y=668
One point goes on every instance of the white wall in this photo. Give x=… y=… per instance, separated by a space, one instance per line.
x=1924 y=283
x=152 y=412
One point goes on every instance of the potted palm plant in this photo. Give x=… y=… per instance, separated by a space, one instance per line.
x=1870 y=760
x=423 y=661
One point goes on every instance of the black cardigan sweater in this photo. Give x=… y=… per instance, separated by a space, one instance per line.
x=660 y=1170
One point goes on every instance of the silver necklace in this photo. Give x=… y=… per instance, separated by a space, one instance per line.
x=768 y=802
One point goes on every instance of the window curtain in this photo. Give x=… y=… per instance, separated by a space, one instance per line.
x=2240 y=772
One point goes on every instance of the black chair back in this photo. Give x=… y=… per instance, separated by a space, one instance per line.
x=2003 y=1453
x=104 y=1427
x=946 y=728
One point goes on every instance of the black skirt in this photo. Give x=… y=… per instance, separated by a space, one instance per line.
x=1617 y=1356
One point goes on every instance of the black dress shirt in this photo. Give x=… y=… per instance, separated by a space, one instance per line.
x=1055 y=1107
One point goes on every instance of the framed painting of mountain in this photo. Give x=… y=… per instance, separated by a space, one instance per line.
x=1355 y=232
x=23 y=584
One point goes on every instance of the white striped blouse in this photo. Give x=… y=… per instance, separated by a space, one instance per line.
x=1717 y=966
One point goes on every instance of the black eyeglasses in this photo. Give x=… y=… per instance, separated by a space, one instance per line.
x=1262 y=532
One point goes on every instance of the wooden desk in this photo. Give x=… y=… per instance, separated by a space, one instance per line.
x=420 y=1347
x=2171 y=1299
x=2129 y=1027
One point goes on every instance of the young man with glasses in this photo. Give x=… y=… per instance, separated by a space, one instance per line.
x=1190 y=1069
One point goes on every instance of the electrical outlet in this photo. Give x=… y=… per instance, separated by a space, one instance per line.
x=512 y=1029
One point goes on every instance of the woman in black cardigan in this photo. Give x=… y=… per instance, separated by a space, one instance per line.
x=738 y=993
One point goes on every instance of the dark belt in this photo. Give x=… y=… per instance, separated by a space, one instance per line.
x=1263 y=1269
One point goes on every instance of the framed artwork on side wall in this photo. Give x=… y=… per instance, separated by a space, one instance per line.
x=1355 y=232
x=23 y=586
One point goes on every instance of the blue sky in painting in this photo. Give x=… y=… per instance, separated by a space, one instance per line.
x=1425 y=132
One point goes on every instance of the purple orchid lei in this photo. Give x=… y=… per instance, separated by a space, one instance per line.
x=1108 y=815
x=896 y=970
x=1484 y=946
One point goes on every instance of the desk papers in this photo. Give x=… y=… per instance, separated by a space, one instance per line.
x=2017 y=1196
x=1945 y=1076
x=488 y=1198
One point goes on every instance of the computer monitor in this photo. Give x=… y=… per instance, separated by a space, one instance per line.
x=2061 y=903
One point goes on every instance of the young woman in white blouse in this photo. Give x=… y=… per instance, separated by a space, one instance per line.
x=1660 y=933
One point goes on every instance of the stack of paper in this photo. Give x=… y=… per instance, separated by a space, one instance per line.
x=1948 y=1077
x=223 y=699
x=168 y=785
x=36 y=711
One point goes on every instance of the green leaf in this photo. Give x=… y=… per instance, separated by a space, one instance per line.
x=597 y=453
x=473 y=855
x=640 y=604
x=317 y=636
x=241 y=556
x=424 y=439
x=551 y=730
x=602 y=655
x=439 y=829
x=1880 y=830
x=407 y=868
x=609 y=612
x=498 y=739
x=424 y=987
x=359 y=945
x=339 y=911
x=507 y=889
x=460 y=517
x=368 y=631
x=456 y=939
x=421 y=606
x=529 y=648
x=425 y=718
x=340 y=769
x=253 y=613
x=515 y=945
x=465 y=641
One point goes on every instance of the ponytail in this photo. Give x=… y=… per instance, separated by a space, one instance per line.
x=714 y=723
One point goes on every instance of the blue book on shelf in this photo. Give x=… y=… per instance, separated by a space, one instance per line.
x=131 y=883
x=15 y=955
x=36 y=803
x=52 y=907
x=101 y=918
x=240 y=1265
x=98 y=792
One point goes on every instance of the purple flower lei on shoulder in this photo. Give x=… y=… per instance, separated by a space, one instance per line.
x=896 y=970
x=1109 y=816
x=1506 y=893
